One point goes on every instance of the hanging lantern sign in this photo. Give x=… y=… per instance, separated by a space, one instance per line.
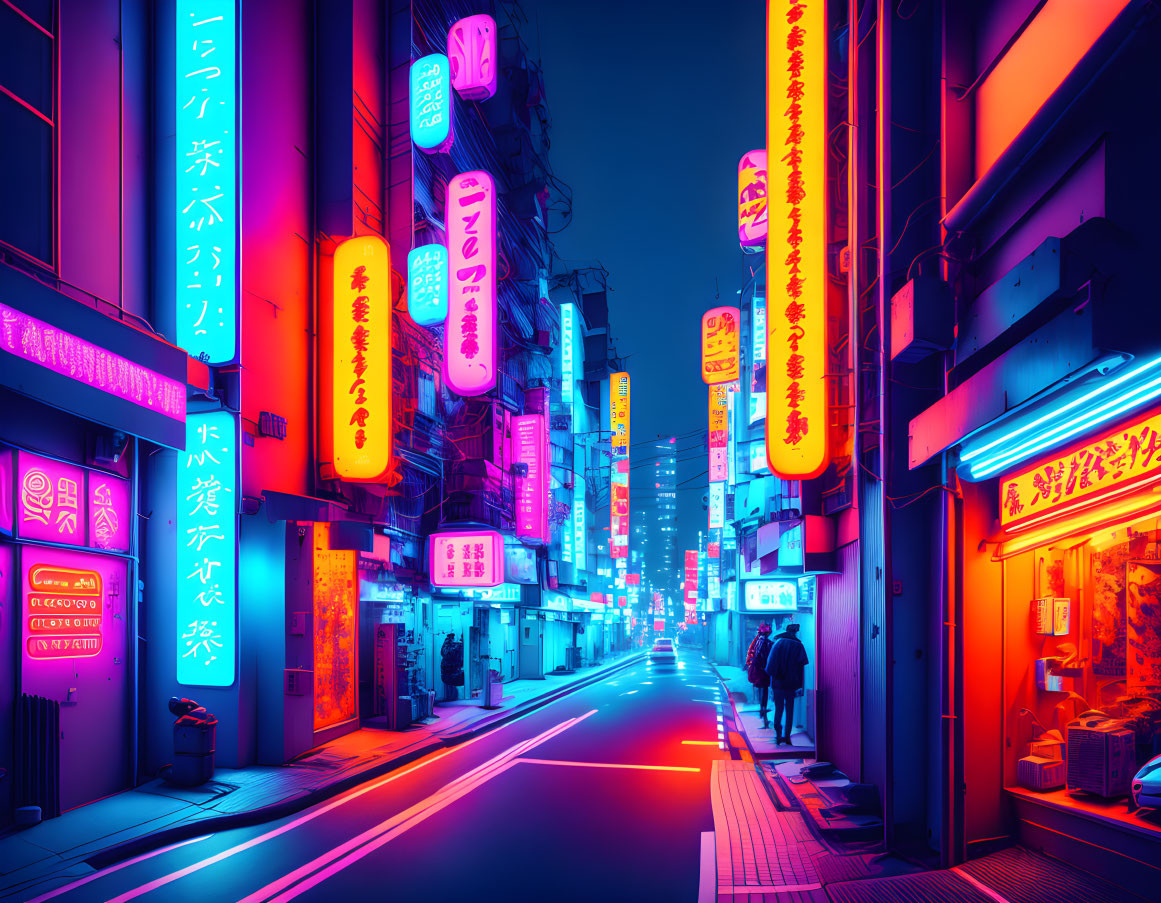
x=719 y=345
x=469 y=342
x=431 y=104
x=427 y=284
x=471 y=48
x=752 y=210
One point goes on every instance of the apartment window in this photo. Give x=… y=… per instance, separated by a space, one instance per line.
x=27 y=124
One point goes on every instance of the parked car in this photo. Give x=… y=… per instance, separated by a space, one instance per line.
x=1145 y=792
x=663 y=650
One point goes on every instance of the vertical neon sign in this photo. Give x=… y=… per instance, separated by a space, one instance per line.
x=568 y=332
x=758 y=362
x=207 y=540
x=796 y=86
x=471 y=48
x=469 y=341
x=719 y=467
x=579 y=511
x=427 y=284
x=752 y=210
x=529 y=448
x=719 y=345
x=619 y=399
x=431 y=104
x=206 y=179
x=361 y=427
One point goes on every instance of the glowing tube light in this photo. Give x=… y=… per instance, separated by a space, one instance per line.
x=1136 y=507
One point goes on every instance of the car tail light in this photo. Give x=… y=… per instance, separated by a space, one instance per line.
x=1137 y=785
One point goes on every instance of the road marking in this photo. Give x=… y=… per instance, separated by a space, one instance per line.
x=335 y=860
x=114 y=868
x=700 y=742
x=608 y=765
x=980 y=886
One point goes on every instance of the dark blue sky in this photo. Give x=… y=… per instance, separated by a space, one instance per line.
x=652 y=105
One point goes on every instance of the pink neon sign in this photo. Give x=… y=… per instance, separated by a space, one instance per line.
x=466 y=559
x=70 y=504
x=469 y=341
x=752 y=219
x=529 y=440
x=471 y=48
x=64 y=606
x=62 y=352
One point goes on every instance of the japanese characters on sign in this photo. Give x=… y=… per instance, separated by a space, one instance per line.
x=719 y=345
x=62 y=352
x=427 y=284
x=752 y=209
x=68 y=504
x=431 y=104
x=619 y=514
x=64 y=609
x=207 y=541
x=771 y=595
x=579 y=510
x=361 y=427
x=471 y=48
x=1084 y=475
x=466 y=559
x=619 y=412
x=568 y=357
x=206 y=179
x=719 y=466
x=530 y=447
x=469 y=341
x=796 y=276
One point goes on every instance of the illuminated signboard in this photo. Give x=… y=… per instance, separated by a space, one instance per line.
x=619 y=412
x=719 y=345
x=90 y=365
x=466 y=559
x=568 y=357
x=207 y=539
x=619 y=512
x=719 y=465
x=206 y=179
x=758 y=360
x=579 y=514
x=1115 y=462
x=471 y=48
x=597 y=598
x=752 y=199
x=771 y=595
x=469 y=341
x=431 y=104
x=334 y=628
x=717 y=506
x=713 y=549
x=732 y=402
x=64 y=608
x=530 y=447
x=796 y=265
x=659 y=625
x=361 y=426
x=427 y=284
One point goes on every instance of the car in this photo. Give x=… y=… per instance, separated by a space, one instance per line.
x=663 y=651
x=1145 y=792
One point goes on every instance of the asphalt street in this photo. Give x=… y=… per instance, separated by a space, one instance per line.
x=599 y=796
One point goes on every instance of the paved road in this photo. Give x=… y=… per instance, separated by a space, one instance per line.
x=595 y=797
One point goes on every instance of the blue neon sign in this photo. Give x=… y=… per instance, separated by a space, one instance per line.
x=427 y=284
x=206 y=180
x=207 y=540
x=431 y=103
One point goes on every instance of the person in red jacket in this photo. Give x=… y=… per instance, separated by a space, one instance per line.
x=756 y=668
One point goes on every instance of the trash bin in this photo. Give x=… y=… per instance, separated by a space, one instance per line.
x=194 y=740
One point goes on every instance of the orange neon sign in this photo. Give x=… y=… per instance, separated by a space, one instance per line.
x=719 y=345
x=336 y=625
x=1116 y=462
x=361 y=425
x=619 y=412
x=796 y=267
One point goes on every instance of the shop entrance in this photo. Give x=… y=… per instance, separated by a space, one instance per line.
x=799 y=623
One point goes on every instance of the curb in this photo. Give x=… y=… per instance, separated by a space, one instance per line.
x=146 y=842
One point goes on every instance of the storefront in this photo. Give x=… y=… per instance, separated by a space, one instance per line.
x=1062 y=648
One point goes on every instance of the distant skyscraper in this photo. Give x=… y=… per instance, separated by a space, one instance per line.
x=654 y=516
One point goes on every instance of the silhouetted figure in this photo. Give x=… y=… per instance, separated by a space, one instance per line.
x=786 y=667
x=451 y=665
x=756 y=668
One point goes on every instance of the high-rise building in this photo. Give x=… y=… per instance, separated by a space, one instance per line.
x=654 y=516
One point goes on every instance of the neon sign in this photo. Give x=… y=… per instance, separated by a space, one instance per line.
x=719 y=469
x=771 y=595
x=796 y=399
x=361 y=427
x=717 y=506
x=471 y=48
x=62 y=352
x=64 y=609
x=469 y=341
x=758 y=359
x=431 y=104
x=427 y=284
x=207 y=541
x=719 y=345
x=1118 y=461
x=466 y=559
x=335 y=598
x=619 y=412
x=752 y=209
x=568 y=333
x=579 y=514
x=530 y=440
x=206 y=179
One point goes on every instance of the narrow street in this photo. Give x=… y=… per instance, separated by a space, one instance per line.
x=605 y=792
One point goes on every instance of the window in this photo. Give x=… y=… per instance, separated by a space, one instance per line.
x=27 y=122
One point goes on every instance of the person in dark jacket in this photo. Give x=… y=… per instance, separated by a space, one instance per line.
x=786 y=667
x=756 y=668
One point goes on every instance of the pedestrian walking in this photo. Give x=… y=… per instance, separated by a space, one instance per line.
x=786 y=667
x=756 y=668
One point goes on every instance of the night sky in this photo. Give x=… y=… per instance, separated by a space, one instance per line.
x=653 y=102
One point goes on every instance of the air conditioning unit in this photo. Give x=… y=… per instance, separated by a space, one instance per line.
x=1100 y=755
